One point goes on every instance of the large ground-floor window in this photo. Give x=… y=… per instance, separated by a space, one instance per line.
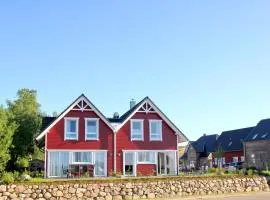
x=76 y=163
x=163 y=162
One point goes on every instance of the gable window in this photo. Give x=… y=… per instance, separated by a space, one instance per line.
x=155 y=130
x=146 y=157
x=136 y=129
x=71 y=128
x=91 y=128
x=82 y=157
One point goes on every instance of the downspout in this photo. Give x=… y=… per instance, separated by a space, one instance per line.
x=177 y=156
x=114 y=151
x=45 y=163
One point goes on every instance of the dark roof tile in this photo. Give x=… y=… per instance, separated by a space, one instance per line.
x=260 y=132
x=232 y=140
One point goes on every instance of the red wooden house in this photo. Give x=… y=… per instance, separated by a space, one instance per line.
x=82 y=141
x=231 y=143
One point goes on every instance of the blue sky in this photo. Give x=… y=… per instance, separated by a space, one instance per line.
x=206 y=64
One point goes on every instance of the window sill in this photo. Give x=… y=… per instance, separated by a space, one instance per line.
x=91 y=139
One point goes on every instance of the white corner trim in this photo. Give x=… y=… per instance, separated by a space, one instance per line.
x=86 y=119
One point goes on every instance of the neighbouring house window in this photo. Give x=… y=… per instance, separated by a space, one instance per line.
x=146 y=157
x=91 y=129
x=192 y=165
x=71 y=128
x=136 y=129
x=253 y=158
x=235 y=159
x=82 y=157
x=155 y=130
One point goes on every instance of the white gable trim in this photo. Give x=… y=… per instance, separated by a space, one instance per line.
x=69 y=109
x=147 y=100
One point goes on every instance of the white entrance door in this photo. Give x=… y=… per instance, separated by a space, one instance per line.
x=100 y=164
x=129 y=164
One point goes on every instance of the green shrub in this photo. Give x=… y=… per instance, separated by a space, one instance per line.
x=7 y=177
x=265 y=173
x=22 y=163
x=17 y=176
x=37 y=174
x=220 y=172
x=212 y=170
x=250 y=172
x=240 y=172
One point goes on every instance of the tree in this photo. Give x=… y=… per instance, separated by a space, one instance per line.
x=219 y=154
x=26 y=114
x=6 y=132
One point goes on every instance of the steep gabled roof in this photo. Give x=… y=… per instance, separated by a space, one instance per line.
x=206 y=144
x=126 y=116
x=232 y=140
x=123 y=117
x=260 y=132
x=46 y=121
x=82 y=97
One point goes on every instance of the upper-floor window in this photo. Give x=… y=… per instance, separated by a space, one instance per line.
x=91 y=129
x=155 y=130
x=71 y=128
x=136 y=129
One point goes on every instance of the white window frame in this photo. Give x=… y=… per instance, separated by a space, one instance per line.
x=97 y=128
x=131 y=129
x=147 y=162
x=65 y=128
x=150 y=129
x=81 y=152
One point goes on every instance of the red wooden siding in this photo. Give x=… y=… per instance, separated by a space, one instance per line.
x=169 y=139
x=55 y=137
x=229 y=156
x=146 y=169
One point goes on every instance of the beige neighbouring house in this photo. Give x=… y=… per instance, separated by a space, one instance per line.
x=257 y=146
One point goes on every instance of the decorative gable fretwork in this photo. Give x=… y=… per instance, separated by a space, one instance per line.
x=82 y=106
x=146 y=108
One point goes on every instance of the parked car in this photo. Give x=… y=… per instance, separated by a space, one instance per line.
x=233 y=166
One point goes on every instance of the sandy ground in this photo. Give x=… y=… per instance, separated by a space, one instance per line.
x=245 y=196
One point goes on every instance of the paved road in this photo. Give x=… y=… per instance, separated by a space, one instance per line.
x=250 y=196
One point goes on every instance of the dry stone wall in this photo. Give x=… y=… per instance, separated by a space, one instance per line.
x=133 y=189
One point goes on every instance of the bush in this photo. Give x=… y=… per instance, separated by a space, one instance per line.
x=22 y=163
x=17 y=176
x=25 y=177
x=240 y=172
x=220 y=172
x=7 y=177
x=37 y=174
x=212 y=170
x=250 y=172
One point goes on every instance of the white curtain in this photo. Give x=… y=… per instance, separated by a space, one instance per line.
x=58 y=163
